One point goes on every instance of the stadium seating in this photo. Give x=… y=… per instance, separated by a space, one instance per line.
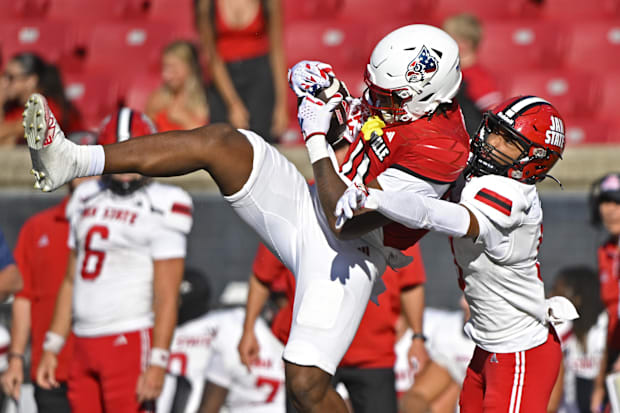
x=295 y=10
x=569 y=11
x=586 y=130
x=93 y=11
x=52 y=40
x=594 y=46
x=610 y=98
x=486 y=10
x=94 y=95
x=521 y=45
x=371 y=12
x=136 y=91
x=123 y=49
x=572 y=93
x=177 y=12
x=16 y=9
x=342 y=43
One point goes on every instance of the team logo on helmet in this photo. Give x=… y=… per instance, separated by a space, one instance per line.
x=555 y=133
x=423 y=67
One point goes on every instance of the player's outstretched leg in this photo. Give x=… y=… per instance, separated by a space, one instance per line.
x=221 y=150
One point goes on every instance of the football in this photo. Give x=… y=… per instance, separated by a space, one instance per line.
x=338 y=124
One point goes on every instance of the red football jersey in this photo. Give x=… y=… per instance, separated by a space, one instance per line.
x=434 y=148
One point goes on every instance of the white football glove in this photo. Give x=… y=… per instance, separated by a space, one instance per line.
x=308 y=76
x=314 y=115
x=355 y=197
x=357 y=114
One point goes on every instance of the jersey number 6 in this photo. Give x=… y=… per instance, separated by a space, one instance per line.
x=88 y=273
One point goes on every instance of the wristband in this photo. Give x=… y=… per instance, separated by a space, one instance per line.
x=159 y=357
x=11 y=355
x=53 y=342
x=421 y=336
x=317 y=147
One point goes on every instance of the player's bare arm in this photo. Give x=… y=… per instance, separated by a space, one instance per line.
x=59 y=328
x=167 y=276
x=10 y=281
x=213 y=398
x=13 y=378
x=258 y=294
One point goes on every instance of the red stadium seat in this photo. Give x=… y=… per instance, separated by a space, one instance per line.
x=580 y=130
x=338 y=42
x=51 y=40
x=610 y=97
x=295 y=10
x=370 y=13
x=595 y=46
x=77 y=10
x=485 y=9
x=580 y=10
x=136 y=91
x=178 y=12
x=520 y=45
x=94 y=96
x=13 y=10
x=123 y=49
x=571 y=93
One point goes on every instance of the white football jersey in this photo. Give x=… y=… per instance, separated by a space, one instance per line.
x=499 y=271
x=446 y=343
x=262 y=389
x=579 y=362
x=189 y=355
x=116 y=239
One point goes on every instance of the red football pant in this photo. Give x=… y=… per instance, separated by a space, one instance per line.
x=104 y=372
x=512 y=382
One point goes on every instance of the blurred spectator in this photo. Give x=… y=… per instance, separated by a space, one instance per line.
x=367 y=368
x=180 y=102
x=42 y=254
x=437 y=387
x=242 y=40
x=583 y=339
x=24 y=74
x=191 y=346
x=605 y=211
x=478 y=91
x=258 y=387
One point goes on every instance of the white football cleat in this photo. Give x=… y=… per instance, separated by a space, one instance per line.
x=54 y=158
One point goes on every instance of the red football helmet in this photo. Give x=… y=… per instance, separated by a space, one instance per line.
x=534 y=125
x=119 y=127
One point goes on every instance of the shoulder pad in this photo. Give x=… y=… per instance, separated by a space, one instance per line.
x=81 y=194
x=498 y=198
x=174 y=204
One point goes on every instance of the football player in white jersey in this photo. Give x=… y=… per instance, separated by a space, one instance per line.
x=120 y=296
x=191 y=347
x=230 y=384
x=496 y=231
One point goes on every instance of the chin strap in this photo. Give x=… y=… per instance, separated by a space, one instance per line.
x=556 y=180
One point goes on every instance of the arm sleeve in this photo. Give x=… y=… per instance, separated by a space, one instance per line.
x=6 y=257
x=417 y=211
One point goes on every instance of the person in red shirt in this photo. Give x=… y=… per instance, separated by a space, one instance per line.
x=605 y=211
x=367 y=369
x=24 y=74
x=479 y=91
x=41 y=255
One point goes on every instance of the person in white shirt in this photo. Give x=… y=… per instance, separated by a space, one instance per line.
x=120 y=295
x=496 y=230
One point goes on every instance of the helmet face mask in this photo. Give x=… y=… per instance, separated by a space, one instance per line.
x=389 y=103
x=123 y=187
x=533 y=126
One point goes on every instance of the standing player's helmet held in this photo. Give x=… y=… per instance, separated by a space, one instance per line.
x=604 y=189
x=537 y=129
x=411 y=71
x=124 y=124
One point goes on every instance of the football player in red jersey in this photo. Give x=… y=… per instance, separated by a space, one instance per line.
x=496 y=231
x=334 y=276
x=605 y=207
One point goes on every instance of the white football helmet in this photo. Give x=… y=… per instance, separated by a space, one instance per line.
x=411 y=71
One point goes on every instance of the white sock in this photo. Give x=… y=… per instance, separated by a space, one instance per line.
x=90 y=160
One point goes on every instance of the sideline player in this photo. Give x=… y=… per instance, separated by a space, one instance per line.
x=497 y=230
x=41 y=254
x=334 y=276
x=120 y=294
